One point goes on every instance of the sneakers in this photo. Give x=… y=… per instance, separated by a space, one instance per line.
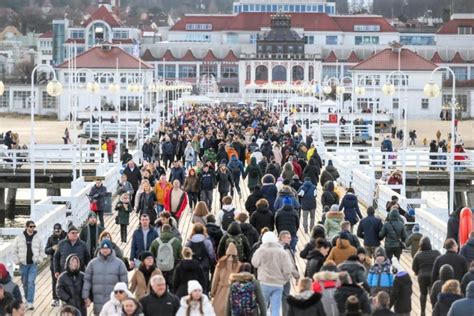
x=55 y=303
x=29 y=306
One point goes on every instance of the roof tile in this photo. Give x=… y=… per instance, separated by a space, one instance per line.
x=388 y=60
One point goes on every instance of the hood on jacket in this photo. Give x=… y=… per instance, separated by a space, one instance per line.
x=425 y=244
x=253 y=161
x=241 y=277
x=233 y=158
x=394 y=215
x=234 y=229
x=350 y=197
x=446 y=273
x=448 y=297
x=268 y=178
x=285 y=191
x=303 y=301
x=307 y=184
x=342 y=243
x=470 y=290
x=262 y=209
x=325 y=276
x=198 y=238
x=287 y=207
x=335 y=215
x=329 y=186
x=68 y=259
x=288 y=166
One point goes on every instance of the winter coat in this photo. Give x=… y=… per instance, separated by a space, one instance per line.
x=165 y=237
x=342 y=251
x=20 y=249
x=161 y=192
x=167 y=304
x=346 y=290
x=168 y=149
x=86 y=237
x=215 y=234
x=254 y=174
x=124 y=187
x=123 y=213
x=69 y=287
x=181 y=206
x=269 y=192
x=250 y=233
x=220 y=283
x=312 y=171
x=286 y=191
x=210 y=259
x=236 y=167
x=262 y=217
x=445 y=274
x=177 y=173
x=329 y=173
x=467 y=251
x=329 y=197
x=187 y=270
x=314 y=264
x=146 y=205
x=380 y=278
x=274 y=265
x=350 y=206
x=453 y=227
x=10 y=287
x=207 y=180
x=100 y=277
x=400 y=296
x=445 y=300
x=191 y=184
x=273 y=169
x=457 y=262
x=307 y=195
x=137 y=246
x=468 y=277
x=325 y=284
x=333 y=223
x=353 y=240
x=369 y=229
x=464 y=306
x=423 y=262
x=112 y=307
x=65 y=248
x=250 y=203
x=286 y=218
x=133 y=176
x=138 y=285
x=53 y=240
x=195 y=310
x=224 y=180
x=287 y=172
x=356 y=270
x=305 y=304
x=245 y=278
x=98 y=193
x=393 y=231
x=414 y=242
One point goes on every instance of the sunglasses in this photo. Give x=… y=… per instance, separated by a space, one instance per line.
x=119 y=292
x=32 y=226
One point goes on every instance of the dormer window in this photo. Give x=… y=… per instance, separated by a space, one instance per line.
x=464 y=30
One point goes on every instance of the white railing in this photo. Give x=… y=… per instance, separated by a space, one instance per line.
x=112 y=129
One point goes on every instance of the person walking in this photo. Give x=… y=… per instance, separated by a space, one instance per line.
x=254 y=174
x=159 y=299
x=97 y=195
x=71 y=245
x=348 y=289
x=124 y=186
x=147 y=150
x=350 y=206
x=450 y=293
x=236 y=168
x=334 y=219
x=123 y=208
x=400 y=296
x=176 y=200
x=113 y=307
x=195 y=303
x=329 y=173
x=142 y=239
x=161 y=187
x=147 y=202
x=139 y=283
x=186 y=270
x=394 y=233
x=133 y=176
x=307 y=194
x=90 y=233
x=452 y=258
x=343 y=249
x=207 y=183
x=28 y=253
x=101 y=275
x=262 y=217
x=191 y=187
x=225 y=182
x=50 y=249
x=369 y=229
x=287 y=219
x=380 y=277
x=70 y=284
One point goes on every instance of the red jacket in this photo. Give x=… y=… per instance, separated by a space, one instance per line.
x=111 y=147
x=328 y=284
x=297 y=168
x=182 y=204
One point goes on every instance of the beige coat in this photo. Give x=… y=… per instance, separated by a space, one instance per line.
x=220 y=284
x=273 y=263
x=138 y=285
x=19 y=249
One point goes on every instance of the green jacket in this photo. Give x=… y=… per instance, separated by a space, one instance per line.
x=165 y=237
x=123 y=213
x=393 y=231
x=253 y=181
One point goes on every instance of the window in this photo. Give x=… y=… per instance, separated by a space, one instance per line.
x=48 y=101
x=229 y=89
x=298 y=73
x=329 y=71
x=247 y=74
x=461 y=100
x=395 y=103
x=331 y=39
x=104 y=77
x=198 y=27
x=460 y=72
x=366 y=40
x=465 y=30
x=197 y=37
x=232 y=38
x=366 y=28
x=187 y=71
x=121 y=34
x=130 y=102
x=5 y=99
x=209 y=69
x=397 y=80
x=230 y=71
x=368 y=103
x=261 y=73
x=170 y=71
x=311 y=73
x=309 y=39
x=417 y=40
x=367 y=80
x=253 y=38
x=76 y=34
x=21 y=99
x=425 y=103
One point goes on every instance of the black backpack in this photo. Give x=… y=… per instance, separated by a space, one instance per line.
x=200 y=254
x=227 y=218
x=254 y=172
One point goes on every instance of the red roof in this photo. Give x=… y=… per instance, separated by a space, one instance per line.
x=105 y=15
x=122 y=41
x=48 y=34
x=210 y=56
x=98 y=57
x=346 y=23
x=168 y=56
x=148 y=56
x=388 y=60
x=457 y=59
x=189 y=56
x=451 y=27
x=230 y=57
x=353 y=58
x=331 y=58
x=437 y=58
x=77 y=40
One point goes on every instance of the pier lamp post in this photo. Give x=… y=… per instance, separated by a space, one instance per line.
x=114 y=89
x=54 y=88
x=389 y=90
x=134 y=88
x=432 y=90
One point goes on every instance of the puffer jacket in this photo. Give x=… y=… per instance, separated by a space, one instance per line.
x=138 y=285
x=314 y=264
x=224 y=181
x=330 y=173
x=350 y=206
x=467 y=251
x=329 y=197
x=380 y=278
x=423 y=262
x=69 y=287
x=286 y=191
x=101 y=275
x=333 y=223
x=356 y=270
x=400 y=296
x=342 y=251
x=287 y=172
x=194 y=309
x=306 y=303
x=312 y=171
x=445 y=300
x=262 y=217
x=286 y=218
x=346 y=290
x=325 y=282
x=185 y=271
x=113 y=307
x=251 y=202
x=464 y=306
x=393 y=231
x=308 y=196
x=8 y=285
x=274 y=265
x=446 y=273
x=254 y=174
x=250 y=233
x=20 y=249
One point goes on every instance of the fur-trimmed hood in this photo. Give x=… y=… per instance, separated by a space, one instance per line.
x=325 y=276
x=332 y=214
x=242 y=277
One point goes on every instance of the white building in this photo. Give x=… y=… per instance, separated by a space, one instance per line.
x=45 y=49
x=286 y=6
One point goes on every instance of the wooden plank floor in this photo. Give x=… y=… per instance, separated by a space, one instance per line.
x=43 y=281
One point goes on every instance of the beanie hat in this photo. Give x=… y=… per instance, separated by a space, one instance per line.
x=380 y=252
x=193 y=285
x=72 y=228
x=145 y=255
x=105 y=244
x=287 y=200
x=416 y=228
x=3 y=271
x=91 y=214
x=57 y=226
x=269 y=237
x=120 y=286
x=344 y=235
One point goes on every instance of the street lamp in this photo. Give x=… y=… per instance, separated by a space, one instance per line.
x=432 y=90
x=54 y=89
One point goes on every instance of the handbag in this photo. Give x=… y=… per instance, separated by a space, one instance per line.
x=402 y=243
x=93 y=206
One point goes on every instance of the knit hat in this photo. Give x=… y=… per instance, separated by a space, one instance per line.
x=57 y=226
x=380 y=252
x=120 y=286
x=334 y=208
x=286 y=200
x=91 y=214
x=72 y=228
x=269 y=237
x=105 y=244
x=145 y=255
x=416 y=228
x=3 y=271
x=193 y=285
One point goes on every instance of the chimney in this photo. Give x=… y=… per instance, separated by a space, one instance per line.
x=396 y=47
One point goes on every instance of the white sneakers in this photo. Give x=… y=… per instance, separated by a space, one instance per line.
x=29 y=306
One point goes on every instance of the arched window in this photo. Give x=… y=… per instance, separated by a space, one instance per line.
x=261 y=73
x=298 y=73
x=279 y=73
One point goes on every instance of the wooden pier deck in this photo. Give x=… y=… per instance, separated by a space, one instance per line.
x=43 y=282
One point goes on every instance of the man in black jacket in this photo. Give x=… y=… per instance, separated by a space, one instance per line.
x=369 y=229
x=347 y=289
x=133 y=176
x=287 y=218
x=97 y=195
x=159 y=301
x=72 y=244
x=207 y=182
x=51 y=246
x=451 y=257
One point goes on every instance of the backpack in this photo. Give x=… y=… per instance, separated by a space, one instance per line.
x=227 y=218
x=254 y=172
x=239 y=244
x=235 y=169
x=243 y=298
x=165 y=256
x=200 y=253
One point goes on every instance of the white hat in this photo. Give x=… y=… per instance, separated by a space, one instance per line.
x=193 y=285
x=120 y=286
x=269 y=237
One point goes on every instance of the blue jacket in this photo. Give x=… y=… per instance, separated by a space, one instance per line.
x=167 y=149
x=270 y=192
x=464 y=306
x=177 y=174
x=235 y=165
x=387 y=145
x=138 y=242
x=380 y=277
x=283 y=193
x=308 y=199
x=369 y=229
x=350 y=206
x=207 y=180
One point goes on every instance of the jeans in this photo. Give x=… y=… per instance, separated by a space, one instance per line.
x=28 y=276
x=272 y=295
x=100 y=213
x=206 y=197
x=188 y=164
x=237 y=183
x=147 y=157
x=111 y=157
x=293 y=242
x=311 y=214
x=55 y=280
x=193 y=198
x=284 y=295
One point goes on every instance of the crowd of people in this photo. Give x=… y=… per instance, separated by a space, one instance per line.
x=240 y=255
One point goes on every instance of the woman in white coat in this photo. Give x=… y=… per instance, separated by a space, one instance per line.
x=195 y=303
x=114 y=306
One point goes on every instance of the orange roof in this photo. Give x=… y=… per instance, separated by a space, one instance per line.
x=437 y=58
x=148 y=56
x=451 y=27
x=105 y=15
x=457 y=59
x=189 y=56
x=388 y=60
x=353 y=58
x=98 y=57
x=331 y=58
x=48 y=34
x=210 y=56
x=230 y=57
